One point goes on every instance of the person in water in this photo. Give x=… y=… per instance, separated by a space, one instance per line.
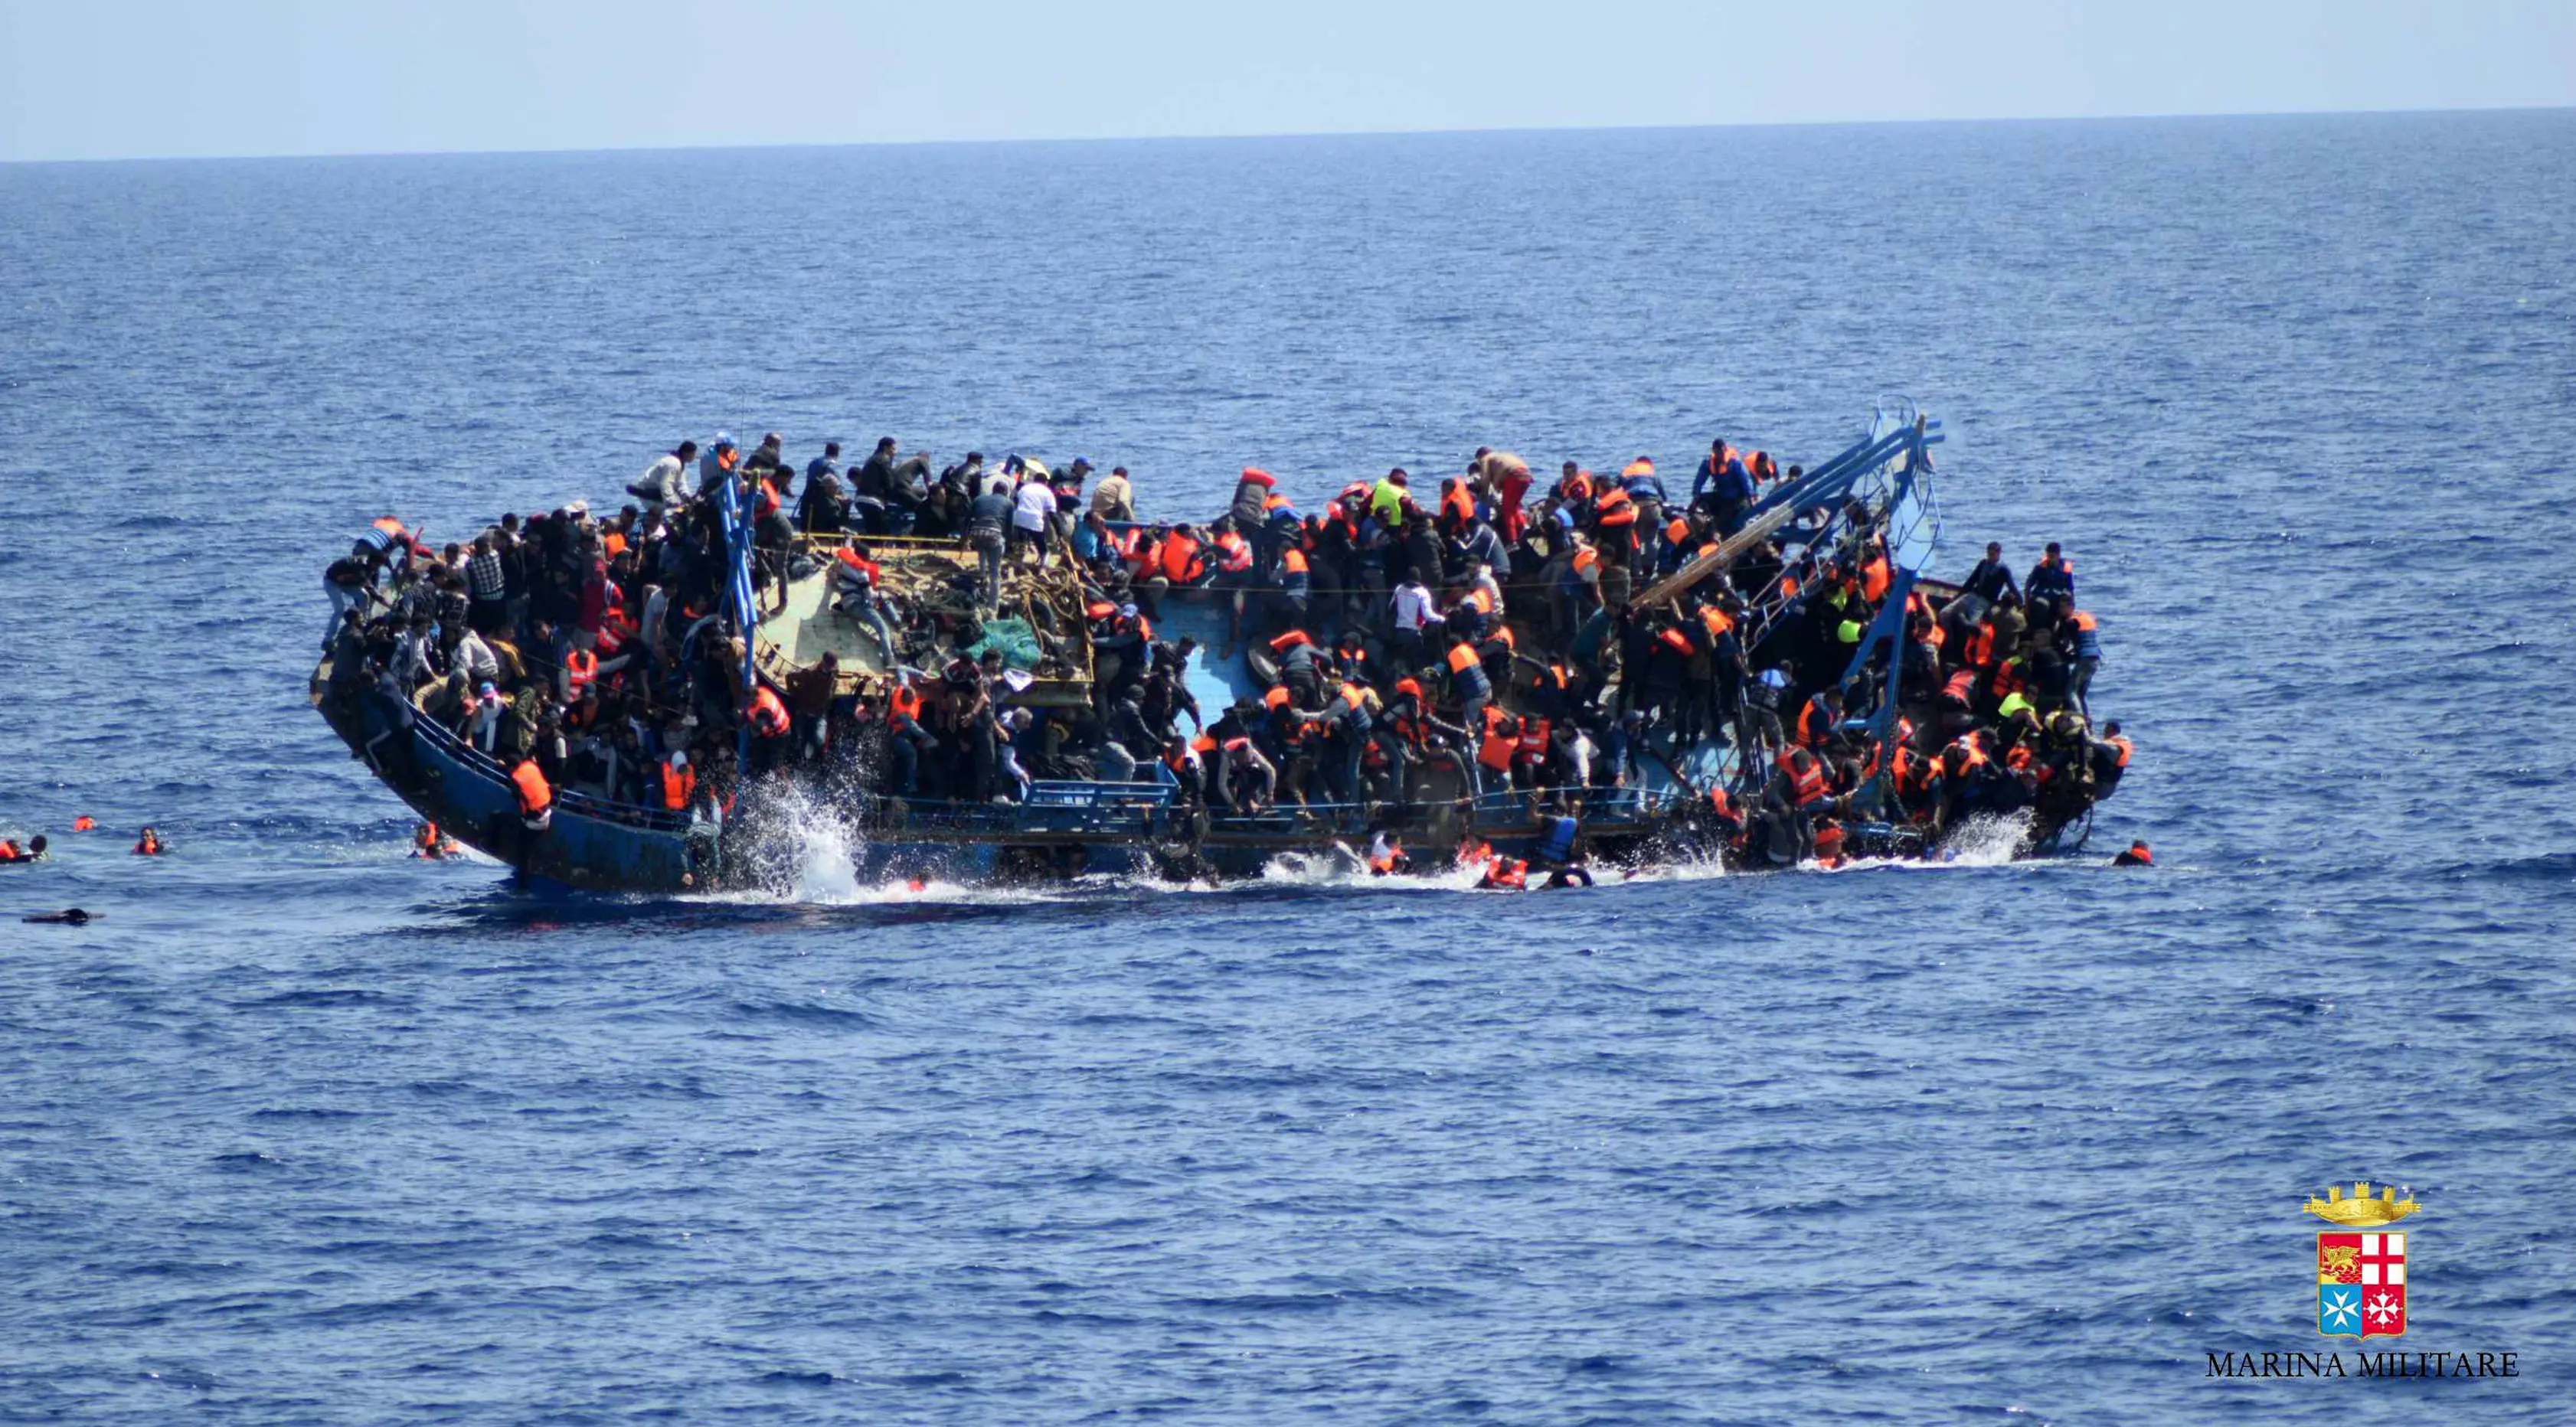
x=2138 y=855
x=148 y=845
x=34 y=851
x=68 y=916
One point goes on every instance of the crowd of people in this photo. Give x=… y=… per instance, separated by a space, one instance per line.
x=1480 y=622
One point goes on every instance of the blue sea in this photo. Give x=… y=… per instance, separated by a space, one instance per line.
x=302 y=1131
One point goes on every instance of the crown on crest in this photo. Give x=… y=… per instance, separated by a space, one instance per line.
x=2361 y=1211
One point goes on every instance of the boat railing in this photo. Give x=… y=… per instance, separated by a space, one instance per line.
x=1078 y=809
x=567 y=800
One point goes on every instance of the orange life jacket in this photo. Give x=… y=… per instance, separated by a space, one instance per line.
x=678 y=786
x=1533 y=742
x=1234 y=553
x=535 y=796
x=1509 y=873
x=1180 y=558
x=1829 y=843
x=2120 y=741
x=2007 y=679
x=1455 y=503
x=1292 y=561
x=1291 y=640
x=1676 y=641
x=1615 y=510
x=1813 y=725
x=83 y=823
x=1497 y=747
x=581 y=667
x=1806 y=775
x=767 y=715
x=9 y=851
x=859 y=563
x=1874 y=578
x=1462 y=658
x=150 y=846
x=903 y=703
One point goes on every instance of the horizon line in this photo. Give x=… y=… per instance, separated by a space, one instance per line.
x=1254 y=135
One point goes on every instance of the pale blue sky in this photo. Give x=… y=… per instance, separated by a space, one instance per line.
x=136 y=78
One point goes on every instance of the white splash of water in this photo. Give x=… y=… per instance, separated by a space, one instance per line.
x=800 y=848
x=1985 y=841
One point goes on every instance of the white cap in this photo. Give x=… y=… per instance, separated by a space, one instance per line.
x=679 y=760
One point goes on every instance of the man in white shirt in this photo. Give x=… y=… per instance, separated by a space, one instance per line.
x=1032 y=508
x=665 y=483
x=1410 y=609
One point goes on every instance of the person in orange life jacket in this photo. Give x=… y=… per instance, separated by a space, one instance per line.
x=1245 y=780
x=855 y=580
x=149 y=844
x=1721 y=815
x=1723 y=487
x=767 y=716
x=906 y=739
x=2053 y=579
x=1829 y=843
x=536 y=797
x=1300 y=661
x=1236 y=573
x=1346 y=717
x=34 y=851
x=1182 y=765
x=2138 y=855
x=1504 y=874
x=1807 y=790
x=2079 y=644
x=1532 y=748
x=1645 y=491
x=1467 y=682
x=1817 y=721
x=1386 y=856
x=2110 y=759
x=430 y=844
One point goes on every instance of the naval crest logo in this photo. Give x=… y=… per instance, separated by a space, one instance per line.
x=2361 y=1274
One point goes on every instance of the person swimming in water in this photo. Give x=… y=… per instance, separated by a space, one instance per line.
x=2138 y=855
x=148 y=845
x=68 y=916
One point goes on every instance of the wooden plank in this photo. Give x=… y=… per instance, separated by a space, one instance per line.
x=1715 y=560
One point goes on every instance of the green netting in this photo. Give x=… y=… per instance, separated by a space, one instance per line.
x=1017 y=641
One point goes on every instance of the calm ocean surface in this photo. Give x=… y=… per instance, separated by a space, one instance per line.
x=303 y=1131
